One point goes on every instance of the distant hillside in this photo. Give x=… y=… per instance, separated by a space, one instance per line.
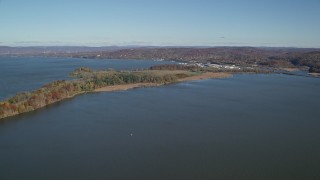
x=272 y=57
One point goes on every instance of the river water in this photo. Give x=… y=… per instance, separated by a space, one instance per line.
x=243 y=127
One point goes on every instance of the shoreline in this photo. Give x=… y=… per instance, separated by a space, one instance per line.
x=207 y=75
x=43 y=106
x=314 y=74
x=290 y=69
x=123 y=87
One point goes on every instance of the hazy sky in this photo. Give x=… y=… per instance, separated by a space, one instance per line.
x=163 y=22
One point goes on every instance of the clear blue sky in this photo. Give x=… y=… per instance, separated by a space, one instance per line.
x=294 y=23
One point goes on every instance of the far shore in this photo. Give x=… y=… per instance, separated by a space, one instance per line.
x=207 y=75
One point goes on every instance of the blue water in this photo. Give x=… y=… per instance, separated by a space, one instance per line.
x=244 y=127
x=19 y=74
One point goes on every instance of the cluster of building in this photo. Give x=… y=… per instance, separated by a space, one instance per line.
x=218 y=66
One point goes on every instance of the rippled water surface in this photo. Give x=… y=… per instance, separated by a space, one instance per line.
x=28 y=73
x=244 y=127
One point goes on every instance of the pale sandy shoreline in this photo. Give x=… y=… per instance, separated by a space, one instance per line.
x=290 y=69
x=315 y=74
x=125 y=87
x=207 y=75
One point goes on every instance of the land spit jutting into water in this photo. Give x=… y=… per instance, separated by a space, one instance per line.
x=88 y=80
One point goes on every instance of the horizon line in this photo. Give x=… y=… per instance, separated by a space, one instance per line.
x=141 y=46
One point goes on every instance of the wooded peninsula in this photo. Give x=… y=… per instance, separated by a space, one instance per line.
x=87 y=80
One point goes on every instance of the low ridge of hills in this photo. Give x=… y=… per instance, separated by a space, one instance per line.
x=245 y=56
